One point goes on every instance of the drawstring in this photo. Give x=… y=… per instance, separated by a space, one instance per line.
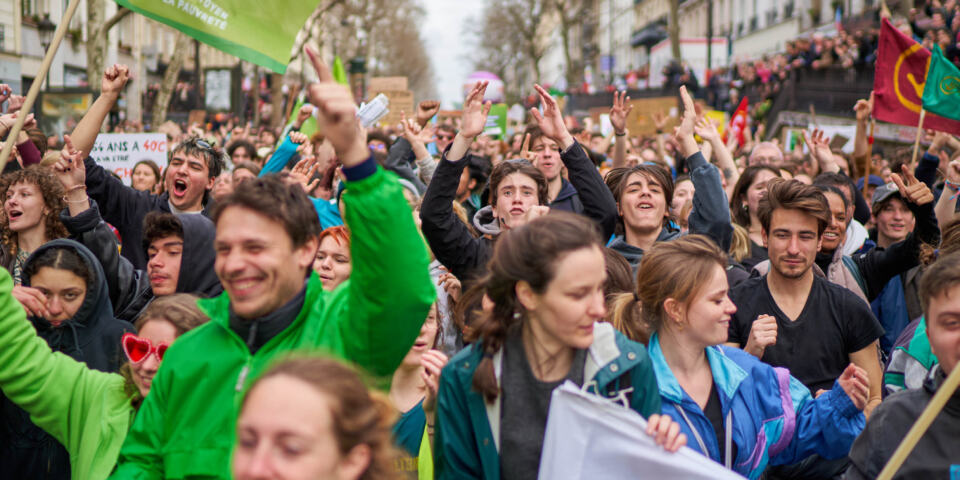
x=76 y=338
x=252 y=336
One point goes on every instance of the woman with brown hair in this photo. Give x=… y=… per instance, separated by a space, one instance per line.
x=741 y=412
x=543 y=326
x=744 y=202
x=308 y=418
x=32 y=201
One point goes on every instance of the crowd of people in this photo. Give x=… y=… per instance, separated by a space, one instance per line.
x=761 y=308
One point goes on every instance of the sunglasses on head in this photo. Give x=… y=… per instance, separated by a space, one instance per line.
x=138 y=349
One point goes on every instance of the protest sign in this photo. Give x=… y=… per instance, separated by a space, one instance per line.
x=120 y=152
x=387 y=84
x=496 y=121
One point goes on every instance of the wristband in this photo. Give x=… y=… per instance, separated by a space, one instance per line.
x=67 y=200
x=77 y=187
x=952 y=186
x=620 y=134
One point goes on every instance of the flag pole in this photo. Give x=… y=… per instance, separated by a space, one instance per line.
x=916 y=142
x=38 y=81
x=920 y=426
x=866 y=176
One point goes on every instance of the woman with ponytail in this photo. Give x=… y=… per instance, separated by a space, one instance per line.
x=313 y=417
x=737 y=410
x=542 y=325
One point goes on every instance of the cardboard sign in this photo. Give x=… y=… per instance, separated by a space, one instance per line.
x=120 y=152
x=387 y=84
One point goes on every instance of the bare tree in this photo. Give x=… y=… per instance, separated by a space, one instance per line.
x=571 y=14
x=170 y=79
x=97 y=29
x=674 y=29
x=508 y=37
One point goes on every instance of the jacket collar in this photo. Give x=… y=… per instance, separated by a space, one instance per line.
x=727 y=375
x=603 y=351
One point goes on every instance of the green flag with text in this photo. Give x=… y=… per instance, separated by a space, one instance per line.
x=941 y=92
x=258 y=31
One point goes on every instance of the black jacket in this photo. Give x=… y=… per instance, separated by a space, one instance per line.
x=933 y=456
x=399 y=158
x=567 y=199
x=92 y=336
x=129 y=287
x=124 y=208
x=465 y=255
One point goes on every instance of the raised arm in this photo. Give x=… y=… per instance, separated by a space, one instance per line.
x=449 y=239
x=85 y=133
x=618 y=118
x=598 y=201
x=946 y=209
x=861 y=145
x=283 y=154
x=710 y=214
x=384 y=315
x=708 y=131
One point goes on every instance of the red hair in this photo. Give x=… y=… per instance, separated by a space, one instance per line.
x=340 y=234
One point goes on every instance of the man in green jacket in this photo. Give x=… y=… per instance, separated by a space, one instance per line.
x=265 y=245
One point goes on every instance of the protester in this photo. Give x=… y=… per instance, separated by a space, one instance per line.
x=546 y=284
x=937 y=451
x=644 y=194
x=31 y=199
x=169 y=241
x=145 y=176
x=333 y=257
x=87 y=410
x=320 y=410
x=70 y=310
x=266 y=244
x=518 y=191
x=744 y=202
x=729 y=402
x=413 y=392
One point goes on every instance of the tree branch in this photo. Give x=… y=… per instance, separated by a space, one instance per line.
x=115 y=19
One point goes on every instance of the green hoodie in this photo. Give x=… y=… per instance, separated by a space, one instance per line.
x=186 y=426
x=85 y=410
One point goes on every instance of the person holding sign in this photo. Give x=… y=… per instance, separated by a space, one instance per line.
x=194 y=166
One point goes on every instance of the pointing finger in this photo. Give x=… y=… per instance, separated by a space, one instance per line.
x=323 y=71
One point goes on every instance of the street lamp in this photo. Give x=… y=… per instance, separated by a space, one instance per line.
x=45 y=30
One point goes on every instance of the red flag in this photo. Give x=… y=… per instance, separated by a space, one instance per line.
x=738 y=122
x=898 y=82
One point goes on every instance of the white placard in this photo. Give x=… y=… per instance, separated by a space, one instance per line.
x=120 y=152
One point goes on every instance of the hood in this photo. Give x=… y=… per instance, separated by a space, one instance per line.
x=856 y=235
x=485 y=223
x=96 y=304
x=632 y=253
x=93 y=335
x=197 y=275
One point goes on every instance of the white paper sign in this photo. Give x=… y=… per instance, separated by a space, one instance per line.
x=592 y=437
x=120 y=152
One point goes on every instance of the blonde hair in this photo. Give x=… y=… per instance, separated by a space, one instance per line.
x=740 y=246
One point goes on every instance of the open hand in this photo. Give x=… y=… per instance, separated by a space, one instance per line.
x=707 y=130
x=911 y=189
x=551 y=120
x=619 y=111
x=474 y=117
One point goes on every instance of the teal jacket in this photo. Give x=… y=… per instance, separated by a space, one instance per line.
x=186 y=426
x=466 y=442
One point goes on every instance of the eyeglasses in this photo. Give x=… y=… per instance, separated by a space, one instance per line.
x=137 y=349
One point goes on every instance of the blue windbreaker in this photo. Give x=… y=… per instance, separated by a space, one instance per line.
x=774 y=419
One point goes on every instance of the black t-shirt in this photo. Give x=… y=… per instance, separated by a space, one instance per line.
x=815 y=347
x=714 y=412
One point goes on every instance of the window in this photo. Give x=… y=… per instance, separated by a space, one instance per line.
x=28 y=7
x=3 y=36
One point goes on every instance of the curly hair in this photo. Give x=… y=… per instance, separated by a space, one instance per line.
x=52 y=193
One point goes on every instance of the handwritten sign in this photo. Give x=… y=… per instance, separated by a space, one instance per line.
x=120 y=152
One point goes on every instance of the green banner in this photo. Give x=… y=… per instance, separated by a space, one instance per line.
x=497 y=121
x=941 y=92
x=261 y=32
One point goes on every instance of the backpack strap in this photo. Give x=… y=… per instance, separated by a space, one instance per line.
x=854 y=270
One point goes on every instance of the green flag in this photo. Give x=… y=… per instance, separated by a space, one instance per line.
x=941 y=92
x=339 y=74
x=261 y=32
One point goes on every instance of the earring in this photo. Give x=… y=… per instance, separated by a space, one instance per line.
x=516 y=315
x=745 y=208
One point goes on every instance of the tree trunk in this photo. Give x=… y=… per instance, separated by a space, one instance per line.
x=170 y=80
x=276 y=99
x=675 y=29
x=572 y=70
x=96 y=42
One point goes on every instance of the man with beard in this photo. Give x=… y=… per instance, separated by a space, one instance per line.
x=796 y=319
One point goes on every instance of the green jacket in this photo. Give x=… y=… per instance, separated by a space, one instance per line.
x=86 y=410
x=186 y=426
x=466 y=441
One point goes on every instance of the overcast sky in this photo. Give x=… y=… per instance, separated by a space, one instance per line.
x=448 y=44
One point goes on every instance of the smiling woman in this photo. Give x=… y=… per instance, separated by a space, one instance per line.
x=32 y=201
